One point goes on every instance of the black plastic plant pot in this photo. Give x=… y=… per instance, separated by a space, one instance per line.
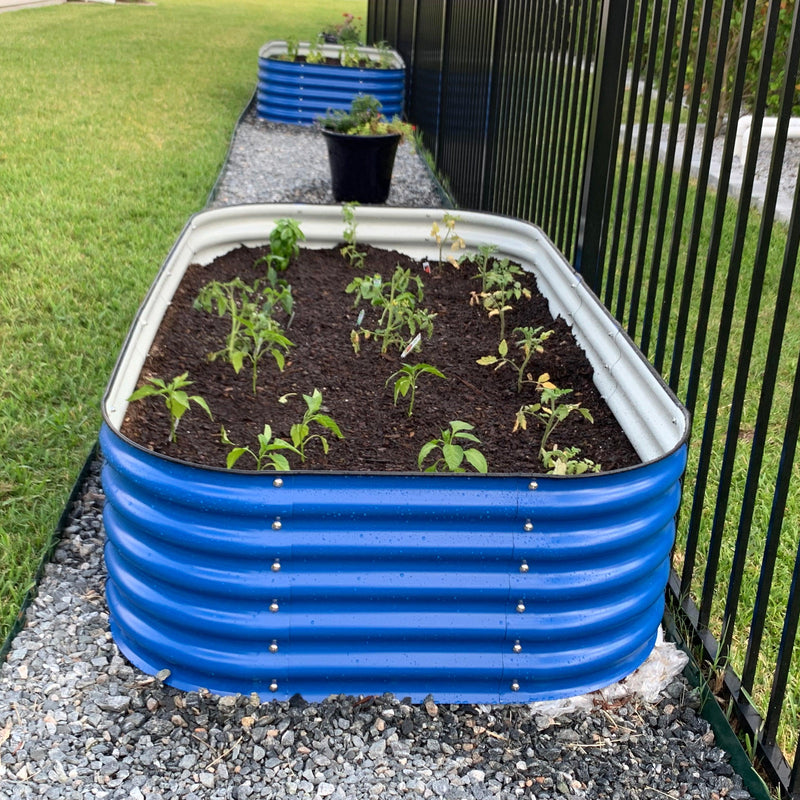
x=361 y=166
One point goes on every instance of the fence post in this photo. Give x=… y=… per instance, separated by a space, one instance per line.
x=609 y=86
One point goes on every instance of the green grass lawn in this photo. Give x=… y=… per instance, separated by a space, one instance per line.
x=116 y=121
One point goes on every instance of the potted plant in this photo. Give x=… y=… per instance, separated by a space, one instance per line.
x=362 y=144
x=472 y=586
x=344 y=32
x=300 y=81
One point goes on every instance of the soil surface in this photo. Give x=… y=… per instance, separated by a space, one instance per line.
x=378 y=435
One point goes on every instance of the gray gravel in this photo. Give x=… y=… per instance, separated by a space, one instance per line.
x=273 y=163
x=77 y=721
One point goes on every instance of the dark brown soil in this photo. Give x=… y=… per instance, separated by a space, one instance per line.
x=379 y=436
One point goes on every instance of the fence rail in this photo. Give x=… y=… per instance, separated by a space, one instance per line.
x=614 y=125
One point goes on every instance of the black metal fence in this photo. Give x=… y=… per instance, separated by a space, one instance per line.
x=654 y=143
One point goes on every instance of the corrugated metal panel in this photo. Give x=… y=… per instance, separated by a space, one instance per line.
x=370 y=583
x=473 y=588
x=299 y=93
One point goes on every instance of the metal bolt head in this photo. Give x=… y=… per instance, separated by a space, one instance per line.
x=533 y=486
x=520 y=607
x=528 y=526
x=277 y=483
x=523 y=567
x=276 y=567
x=273 y=687
x=273 y=606
x=517 y=647
x=515 y=687
x=276 y=526
x=273 y=648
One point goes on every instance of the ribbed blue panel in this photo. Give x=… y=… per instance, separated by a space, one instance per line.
x=458 y=585
x=298 y=93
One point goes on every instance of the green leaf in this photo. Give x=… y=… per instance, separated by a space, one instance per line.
x=425 y=451
x=327 y=422
x=177 y=404
x=459 y=425
x=477 y=459
x=264 y=437
x=298 y=433
x=502 y=348
x=453 y=456
x=279 y=461
x=202 y=403
x=235 y=455
x=487 y=360
x=314 y=402
x=237 y=359
x=143 y=391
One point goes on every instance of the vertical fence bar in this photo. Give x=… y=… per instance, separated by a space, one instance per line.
x=704 y=28
x=653 y=169
x=663 y=213
x=603 y=136
x=639 y=116
x=578 y=150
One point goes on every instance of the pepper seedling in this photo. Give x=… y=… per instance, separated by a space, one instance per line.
x=175 y=399
x=405 y=381
x=453 y=455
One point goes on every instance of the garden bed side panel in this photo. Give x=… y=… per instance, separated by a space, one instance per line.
x=472 y=588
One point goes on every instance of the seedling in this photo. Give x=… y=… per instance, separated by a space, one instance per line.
x=550 y=411
x=315 y=54
x=502 y=287
x=267 y=456
x=398 y=301
x=449 y=235
x=482 y=259
x=175 y=399
x=283 y=246
x=350 y=251
x=350 y=56
x=453 y=455
x=566 y=462
x=300 y=432
x=405 y=381
x=260 y=335
x=385 y=55
x=529 y=343
x=253 y=331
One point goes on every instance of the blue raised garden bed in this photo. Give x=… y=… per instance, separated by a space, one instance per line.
x=298 y=93
x=493 y=588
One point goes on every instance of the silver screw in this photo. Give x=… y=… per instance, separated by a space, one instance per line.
x=515 y=687
x=517 y=647
x=277 y=483
x=528 y=526
x=520 y=607
x=523 y=567
x=276 y=526
x=533 y=486
x=276 y=567
x=273 y=687
x=273 y=606
x=273 y=648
